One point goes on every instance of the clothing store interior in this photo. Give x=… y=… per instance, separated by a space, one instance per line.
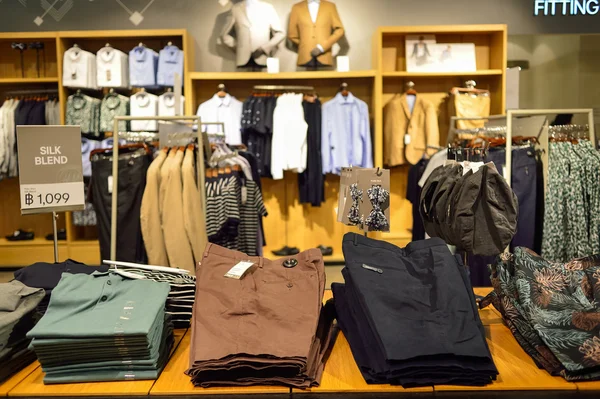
x=280 y=198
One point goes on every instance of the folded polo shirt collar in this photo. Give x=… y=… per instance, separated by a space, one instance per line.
x=107 y=54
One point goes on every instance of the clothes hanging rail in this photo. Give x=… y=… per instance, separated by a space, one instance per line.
x=544 y=137
x=31 y=91
x=115 y=167
x=283 y=88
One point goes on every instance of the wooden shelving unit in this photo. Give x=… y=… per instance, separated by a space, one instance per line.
x=289 y=222
x=82 y=242
x=389 y=60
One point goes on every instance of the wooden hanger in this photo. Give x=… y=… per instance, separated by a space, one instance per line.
x=410 y=88
x=222 y=90
x=344 y=89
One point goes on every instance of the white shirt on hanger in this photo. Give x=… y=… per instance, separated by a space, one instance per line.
x=227 y=110
x=112 y=67
x=144 y=104
x=79 y=68
x=166 y=105
x=290 y=130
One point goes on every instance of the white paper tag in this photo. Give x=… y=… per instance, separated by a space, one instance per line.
x=343 y=63
x=272 y=65
x=223 y=3
x=244 y=195
x=407 y=139
x=110 y=184
x=238 y=271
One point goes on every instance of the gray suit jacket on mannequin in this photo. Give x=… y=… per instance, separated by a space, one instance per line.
x=265 y=33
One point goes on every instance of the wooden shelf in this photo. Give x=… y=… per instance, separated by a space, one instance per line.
x=17 y=81
x=435 y=75
x=122 y=34
x=304 y=75
x=36 y=242
x=442 y=29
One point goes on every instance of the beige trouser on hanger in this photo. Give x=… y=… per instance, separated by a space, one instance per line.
x=177 y=244
x=150 y=216
x=194 y=220
x=469 y=106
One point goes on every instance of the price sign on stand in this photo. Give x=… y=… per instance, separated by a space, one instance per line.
x=50 y=169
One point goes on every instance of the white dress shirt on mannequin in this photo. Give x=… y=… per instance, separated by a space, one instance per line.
x=313 y=9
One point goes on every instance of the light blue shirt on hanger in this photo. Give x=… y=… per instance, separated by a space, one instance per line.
x=143 y=64
x=345 y=134
x=170 y=62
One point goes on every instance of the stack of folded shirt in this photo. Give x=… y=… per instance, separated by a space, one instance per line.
x=265 y=327
x=103 y=327
x=17 y=317
x=183 y=288
x=410 y=316
x=552 y=309
x=47 y=275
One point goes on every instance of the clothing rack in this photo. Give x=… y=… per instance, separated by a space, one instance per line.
x=283 y=88
x=115 y=167
x=543 y=138
x=31 y=91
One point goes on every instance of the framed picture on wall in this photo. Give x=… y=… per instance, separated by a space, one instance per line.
x=459 y=57
x=419 y=53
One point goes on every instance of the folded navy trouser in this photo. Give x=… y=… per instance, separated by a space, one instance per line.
x=409 y=314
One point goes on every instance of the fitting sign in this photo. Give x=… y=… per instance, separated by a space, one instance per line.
x=50 y=169
x=566 y=7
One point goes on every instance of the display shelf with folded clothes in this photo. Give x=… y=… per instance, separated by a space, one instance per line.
x=268 y=326
x=552 y=310
x=103 y=327
x=409 y=315
x=18 y=315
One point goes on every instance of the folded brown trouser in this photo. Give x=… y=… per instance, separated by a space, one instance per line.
x=268 y=328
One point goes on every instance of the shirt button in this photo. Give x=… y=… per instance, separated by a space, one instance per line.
x=109 y=282
x=104 y=298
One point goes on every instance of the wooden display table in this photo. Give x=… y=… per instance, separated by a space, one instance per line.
x=33 y=384
x=174 y=381
x=13 y=381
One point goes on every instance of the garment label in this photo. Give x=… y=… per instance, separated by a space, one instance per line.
x=373 y=269
x=343 y=63
x=238 y=271
x=407 y=139
x=244 y=195
x=272 y=65
x=110 y=184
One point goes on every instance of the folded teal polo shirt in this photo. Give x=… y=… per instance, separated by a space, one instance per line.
x=101 y=305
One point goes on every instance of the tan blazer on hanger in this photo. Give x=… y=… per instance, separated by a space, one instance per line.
x=194 y=220
x=179 y=249
x=266 y=33
x=306 y=34
x=421 y=126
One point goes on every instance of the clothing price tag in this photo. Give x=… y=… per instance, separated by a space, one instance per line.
x=407 y=139
x=238 y=271
x=108 y=75
x=50 y=169
x=244 y=195
x=223 y=3
x=272 y=65
x=343 y=63
x=110 y=184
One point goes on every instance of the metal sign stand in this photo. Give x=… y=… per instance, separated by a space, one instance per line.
x=55 y=234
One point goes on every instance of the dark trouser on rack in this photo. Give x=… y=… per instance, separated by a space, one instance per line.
x=132 y=181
